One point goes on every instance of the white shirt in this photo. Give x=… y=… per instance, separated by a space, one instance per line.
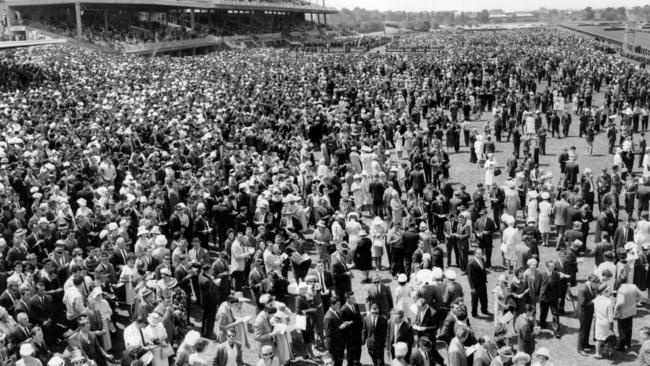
x=232 y=355
x=132 y=336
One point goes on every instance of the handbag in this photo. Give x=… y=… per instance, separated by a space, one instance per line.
x=331 y=248
x=497 y=172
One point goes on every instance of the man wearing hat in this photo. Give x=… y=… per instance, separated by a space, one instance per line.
x=209 y=297
x=484 y=229
x=340 y=271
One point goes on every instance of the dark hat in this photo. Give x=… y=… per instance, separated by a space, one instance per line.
x=425 y=342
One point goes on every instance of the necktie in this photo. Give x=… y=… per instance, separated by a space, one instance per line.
x=374 y=321
x=141 y=336
x=322 y=282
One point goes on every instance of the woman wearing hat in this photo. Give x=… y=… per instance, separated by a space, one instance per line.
x=403 y=299
x=378 y=236
x=521 y=359
x=268 y=357
x=542 y=357
x=100 y=306
x=155 y=335
x=501 y=292
x=362 y=256
x=130 y=277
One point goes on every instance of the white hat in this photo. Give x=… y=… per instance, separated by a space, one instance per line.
x=26 y=350
x=401 y=278
x=532 y=194
x=160 y=241
x=521 y=356
x=543 y=351
x=436 y=273
x=154 y=319
x=192 y=337
x=423 y=225
x=450 y=275
x=81 y=202
x=531 y=262
x=43 y=220
x=545 y=195
x=55 y=361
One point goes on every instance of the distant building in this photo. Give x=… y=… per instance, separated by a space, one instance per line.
x=513 y=17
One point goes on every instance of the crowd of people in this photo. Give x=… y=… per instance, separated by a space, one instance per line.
x=147 y=203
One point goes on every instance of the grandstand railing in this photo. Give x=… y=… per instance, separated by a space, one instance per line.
x=186 y=43
x=272 y=5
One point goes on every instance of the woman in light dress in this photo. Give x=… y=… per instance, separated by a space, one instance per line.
x=378 y=232
x=408 y=142
x=531 y=206
x=100 y=305
x=501 y=293
x=155 y=334
x=403 y=298
x=353 y=227
x=399 y=143
x=545 y=213
x=282 y=340
x=642 y=231
x=512 y=201
x=604 y=316
x=510 y=239
x=490 y=166
x=130 y=277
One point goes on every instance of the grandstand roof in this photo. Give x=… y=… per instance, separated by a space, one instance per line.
x=195 y=4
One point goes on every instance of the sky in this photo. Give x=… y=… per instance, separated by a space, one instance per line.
x=477 y=5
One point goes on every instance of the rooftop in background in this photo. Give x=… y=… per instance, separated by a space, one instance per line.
x=287 y=5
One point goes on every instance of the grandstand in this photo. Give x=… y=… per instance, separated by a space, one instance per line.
x=173 y=27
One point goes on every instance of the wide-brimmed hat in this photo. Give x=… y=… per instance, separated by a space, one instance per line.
x=521 y=356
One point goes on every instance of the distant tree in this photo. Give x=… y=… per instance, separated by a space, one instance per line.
x=588 y=13
x=483 y=16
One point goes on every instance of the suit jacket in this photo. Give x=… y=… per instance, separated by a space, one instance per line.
x=456 y=353
x=426 y=319
x=525 y=337
x=374 y=336
x=381 y=297
x=338 y=268
x=550 y=290
x=327 y=278
x=417 y=359
x=221 y=357
x=41 y=310
x=599 y=251
x=453 y=290
x=19 y=335
x=209 y=291
x=620 y=239
x=262 y=331
x=484 y=354
x=602 y=225
x=484 y=224
x=7 y=301
x=476 y=274
x=334 y=339
x=353 y=332
x=585 y=301
x=403 y=334
x=522 y=254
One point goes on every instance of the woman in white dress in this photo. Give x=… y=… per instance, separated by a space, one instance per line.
x=281 y=320
x=130 y=278
x=531 y=207
x=490 y=166
x=604 y=316
x=155 y=334
x=398 y=139
x=353 y=227
x=510 y=239
x=642 y=231
x=100 y=305
x=403 y=299
x=545 y=213
x=408 y=142
x=501 y=293
x=378 y=232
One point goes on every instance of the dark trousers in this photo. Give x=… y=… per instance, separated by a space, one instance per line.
x=625 y=332
x=452 y=245
x=354 y=352
x=585 y=319
x=376 y=355
x=543 y=313
x=337 y=351
x=408 y=265
x=463 y=248
x=207 y=321
x=378 y=209
x=479 y=294
x=238 y=278
x=398 y=261
x=487 y=249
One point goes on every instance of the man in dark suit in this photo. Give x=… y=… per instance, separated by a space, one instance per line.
x=549 y=297
x=209 y=296
x=585 y=309
x=425 y=354
x=9 y=297
x=426 y=326
x=324 y=282
x=22 y=331
x=399 y=331
x=351 y=315
x=374 y=334
x=572 y=170
x=602 y=247
x=477 y=278
x=225 y=349
x=334 y=330
x=484 y=228
x=120 y=253
x=43 y=312
x=340 y=272
x=623 y=234
x=410 y=239
x=380 y=294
